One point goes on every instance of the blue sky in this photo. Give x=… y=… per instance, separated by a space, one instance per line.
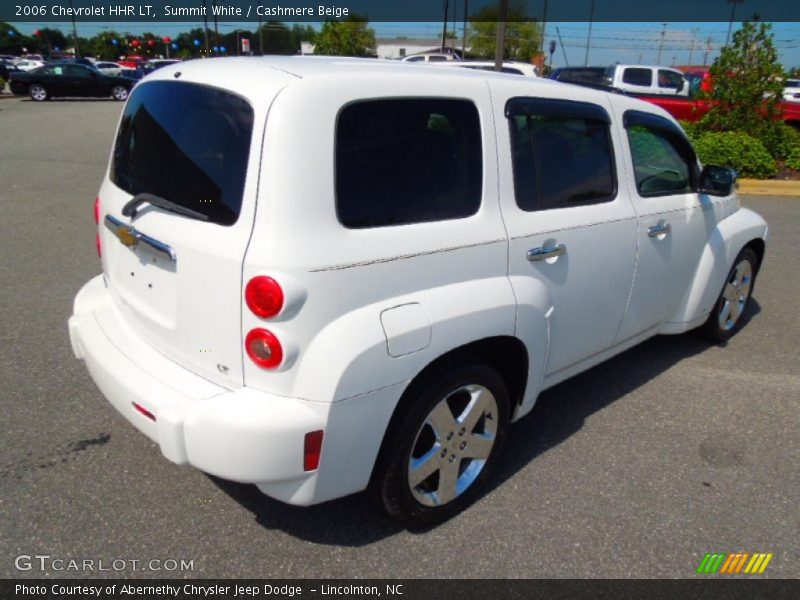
x=611 y=42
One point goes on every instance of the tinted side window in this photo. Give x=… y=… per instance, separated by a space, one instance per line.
x=669 y=79
x=634 y=76
x=76 y=71
x=661 y=161
x=406 y=161
x=561 y=158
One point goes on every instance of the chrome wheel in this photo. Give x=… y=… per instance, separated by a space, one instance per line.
x=453 y=445
x=735 y=295
x=119 y=92
x=38 y=93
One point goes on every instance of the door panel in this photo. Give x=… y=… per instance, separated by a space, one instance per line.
x=673 y=223
x=584 y=249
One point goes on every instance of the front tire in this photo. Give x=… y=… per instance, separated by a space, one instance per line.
x=119 y=92
x=38 y=93
x=726 y=317
x=436 y=459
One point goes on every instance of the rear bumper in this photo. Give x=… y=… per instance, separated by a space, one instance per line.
x=242 y=435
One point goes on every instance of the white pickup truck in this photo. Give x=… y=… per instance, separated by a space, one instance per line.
x=643 y=80
x=323 y=275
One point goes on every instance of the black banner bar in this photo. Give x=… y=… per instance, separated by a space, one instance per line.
x=237 y=11
x=281 y=589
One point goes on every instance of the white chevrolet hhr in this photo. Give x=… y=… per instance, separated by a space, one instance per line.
x=327 y=275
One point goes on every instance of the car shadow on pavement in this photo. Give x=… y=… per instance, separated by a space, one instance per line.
x=560 y=412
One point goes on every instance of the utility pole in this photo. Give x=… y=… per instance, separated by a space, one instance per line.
x=464 y=38
x=563 y=50
x=708 y=49
x=216 y=28
x=733 y=4
x=74 y=31
x=444 y=25
x=205 y=23
x=261 y=37
x=588 y=37
x=640 y=60
x=501 y=35
x=661 y=45
x=544 y=25
x=691 y=51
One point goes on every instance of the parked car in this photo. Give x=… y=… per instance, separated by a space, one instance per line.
x=55 y=80
x=508 y=67
x=430 y=57
x=791 y=91
x=281 y=304
x=109 y=68
x=152 y=65
x=632 y=79
x=28 y=65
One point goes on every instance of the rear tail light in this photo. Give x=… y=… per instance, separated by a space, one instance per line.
x=263 y=348
x=312 y=450
x=264 y=296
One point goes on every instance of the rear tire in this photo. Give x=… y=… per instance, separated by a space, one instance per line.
x=726 y=317
x=38 y=93
x=119 y=93
x=435 y=460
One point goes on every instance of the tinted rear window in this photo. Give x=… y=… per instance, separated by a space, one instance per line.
x=186 y=143
x=406 y=161
x=634 y=76
x=590 y=75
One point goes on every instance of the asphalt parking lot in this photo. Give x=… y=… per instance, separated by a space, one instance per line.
x=636 y=468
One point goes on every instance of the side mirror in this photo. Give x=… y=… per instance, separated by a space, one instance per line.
x=717 y=181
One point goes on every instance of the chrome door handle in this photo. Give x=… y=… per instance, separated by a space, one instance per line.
x=657 y=230
x=544 y=253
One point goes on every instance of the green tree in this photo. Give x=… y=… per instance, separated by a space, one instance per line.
x=352 y=37
x=11 y=40
x=46 y=40
x=523 y=35
x=748 y=82
x=102 y=47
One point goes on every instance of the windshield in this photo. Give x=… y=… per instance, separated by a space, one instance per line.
x=187 y=143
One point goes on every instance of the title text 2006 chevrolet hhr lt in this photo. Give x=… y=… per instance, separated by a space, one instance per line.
x=328 y=275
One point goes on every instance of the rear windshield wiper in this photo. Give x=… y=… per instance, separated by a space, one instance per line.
x=129 y=210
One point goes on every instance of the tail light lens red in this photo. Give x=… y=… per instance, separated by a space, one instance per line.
x=312 y=450
x=264 y=296
x=263 y=348
x=97 y=221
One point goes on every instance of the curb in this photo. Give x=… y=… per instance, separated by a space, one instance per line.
x=768 y=187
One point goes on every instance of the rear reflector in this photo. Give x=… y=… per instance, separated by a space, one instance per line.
x=312 y=450
x=97 y=210
x=142 y=410
x=98 y=245
x=263 y=348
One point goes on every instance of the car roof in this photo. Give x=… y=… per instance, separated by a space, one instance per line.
x=243 y=73
x=318 y=66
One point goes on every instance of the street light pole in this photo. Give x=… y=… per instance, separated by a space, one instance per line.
x=733 y=4
x=661 y=45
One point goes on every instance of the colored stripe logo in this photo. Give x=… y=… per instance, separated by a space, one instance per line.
x=734 y=563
